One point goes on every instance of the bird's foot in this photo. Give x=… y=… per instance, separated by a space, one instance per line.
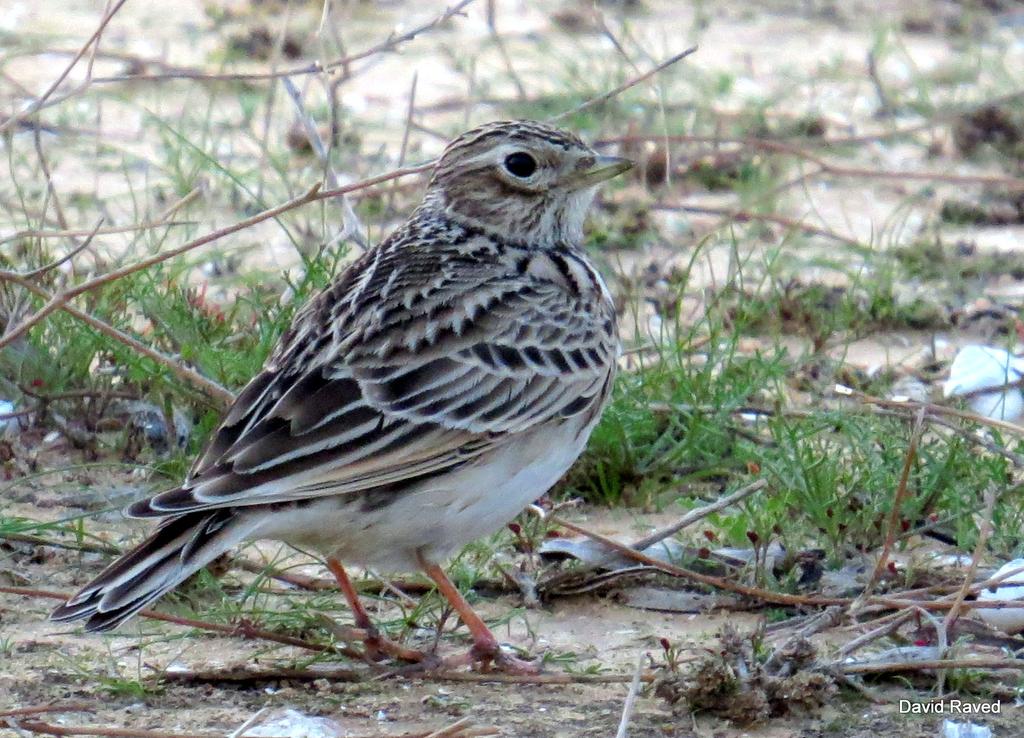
x=430 y=662
x=486 y=654
x=490 y=657
x=379 y=648
x=506 y=663
x=375 y=646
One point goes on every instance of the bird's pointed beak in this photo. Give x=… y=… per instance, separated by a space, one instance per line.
x=604 y=167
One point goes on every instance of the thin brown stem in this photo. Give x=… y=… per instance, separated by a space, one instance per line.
x=824 y=166
x=931 y=408
x=40 y=541
x=243 y=629
x=255 y=675
x=81 y=232
x=883 y=667
x=779 y=598
x=764 y=595
x=37 y=709
x=746 y=216
x=979 y=549
x=659 y=535
x=889 y=624
x=312 y=194
x=207 y=386
x=44 y=99
x=897 y=505
x=103 y=731
x=315 y=68
x=54 y=304
x=633 y=82
x=460 y=729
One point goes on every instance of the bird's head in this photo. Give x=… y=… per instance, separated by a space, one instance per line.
x=520 y=180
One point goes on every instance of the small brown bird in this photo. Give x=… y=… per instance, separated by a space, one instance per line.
x=445 y=380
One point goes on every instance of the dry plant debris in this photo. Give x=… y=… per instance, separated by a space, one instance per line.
x=735 y=681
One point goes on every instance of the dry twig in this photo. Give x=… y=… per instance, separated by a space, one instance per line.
x=56 y=303
x=102 y=731
x=984 y=533
x=604 y=97
x=746 y=216
x=825 y=166
x=251 y=675
x=350 y=225
x=37 y=709
x=44 y=99
x=659 y=535
x=884 y=667
x=894 y=512
x=627 y=708
x=314 y=68
x=765 y=595
x=246 y=630
x=457 y=730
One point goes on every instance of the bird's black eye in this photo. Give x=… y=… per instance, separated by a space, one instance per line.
x=520 y=164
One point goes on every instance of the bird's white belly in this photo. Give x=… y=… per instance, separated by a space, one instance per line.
x=439 y=517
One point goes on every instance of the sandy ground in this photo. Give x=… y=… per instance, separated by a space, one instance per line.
x=47 y=664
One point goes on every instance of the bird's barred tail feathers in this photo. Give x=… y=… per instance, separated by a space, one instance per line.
x=180 y=546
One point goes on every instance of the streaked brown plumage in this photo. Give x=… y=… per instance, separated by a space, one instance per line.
x=446 y=379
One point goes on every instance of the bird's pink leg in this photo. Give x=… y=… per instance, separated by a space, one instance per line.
x=486 y=649
x=376 y=645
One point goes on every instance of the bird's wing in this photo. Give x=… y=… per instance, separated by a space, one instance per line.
x=420 y=380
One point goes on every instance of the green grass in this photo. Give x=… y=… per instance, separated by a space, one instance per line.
x=833 y=468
